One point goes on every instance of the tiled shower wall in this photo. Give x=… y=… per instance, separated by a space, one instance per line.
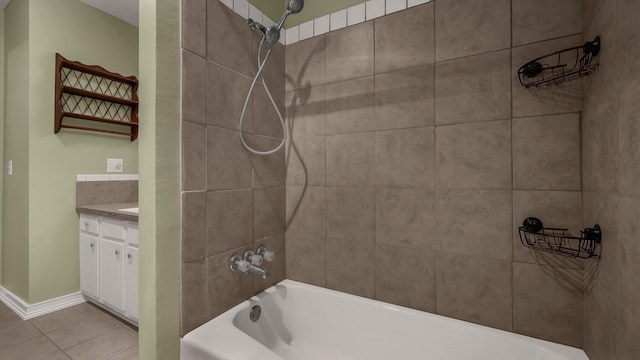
x=415 y=153
x=231 y=201
x=611 y=158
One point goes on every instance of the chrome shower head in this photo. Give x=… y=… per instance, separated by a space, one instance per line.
x=295 y=6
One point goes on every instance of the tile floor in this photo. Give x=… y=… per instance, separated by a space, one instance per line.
x=79 y=332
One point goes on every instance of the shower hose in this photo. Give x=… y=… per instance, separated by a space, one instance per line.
x=261 y=64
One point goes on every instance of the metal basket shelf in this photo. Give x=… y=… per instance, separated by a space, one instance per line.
x=558 y=241
x=561 y=66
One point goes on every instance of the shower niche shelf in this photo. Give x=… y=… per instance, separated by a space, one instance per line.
x=103 y=101
x=561 y=66
x=558 y=241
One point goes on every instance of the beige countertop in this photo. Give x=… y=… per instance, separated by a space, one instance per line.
x=110 y=210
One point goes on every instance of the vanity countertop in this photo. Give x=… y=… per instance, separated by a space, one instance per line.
x=110 y=210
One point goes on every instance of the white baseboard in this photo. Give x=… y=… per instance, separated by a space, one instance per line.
x=29 y=311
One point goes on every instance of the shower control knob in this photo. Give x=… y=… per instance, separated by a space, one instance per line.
x=236 y=263
x=266 y=254
x=253 y=258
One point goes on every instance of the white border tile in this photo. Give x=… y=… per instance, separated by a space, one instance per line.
x=411 y=3
x=375 y=9
x=395 y=6
x=338 y=20
x=241 y=7
x=256 y=14
x=306 y=30
x=293 y=35
x=228 y=3
x=321 y=25
x=356 y=14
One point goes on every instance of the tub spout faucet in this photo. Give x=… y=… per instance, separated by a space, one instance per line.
x=236 y=263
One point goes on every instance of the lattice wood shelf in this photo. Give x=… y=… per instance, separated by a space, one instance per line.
x=94 y=94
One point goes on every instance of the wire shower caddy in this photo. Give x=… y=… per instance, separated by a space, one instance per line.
x=558 y=241
x=561 y=66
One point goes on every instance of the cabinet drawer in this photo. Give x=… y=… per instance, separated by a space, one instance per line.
x=89 y=224
x=132 y=233
x=112 y=228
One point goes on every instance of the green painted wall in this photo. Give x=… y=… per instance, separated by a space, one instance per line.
x=90 y=36
x=312 y=9
x=15 y=230
x=159 y=179
x=40 y=232
x=1 y=122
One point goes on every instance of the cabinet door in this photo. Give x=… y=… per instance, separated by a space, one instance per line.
x=89 y=265
x=131 y=282
x=112 y=273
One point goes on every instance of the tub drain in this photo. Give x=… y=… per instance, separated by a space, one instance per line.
x=255 y=312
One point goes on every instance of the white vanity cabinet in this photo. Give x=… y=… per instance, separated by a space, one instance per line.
x=109 y=264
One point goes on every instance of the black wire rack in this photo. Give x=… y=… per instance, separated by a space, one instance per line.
x=558 y=241
x=561 y=66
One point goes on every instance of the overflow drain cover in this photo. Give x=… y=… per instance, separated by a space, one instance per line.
x=255 y=312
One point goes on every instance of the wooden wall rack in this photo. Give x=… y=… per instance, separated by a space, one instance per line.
x=94 y=94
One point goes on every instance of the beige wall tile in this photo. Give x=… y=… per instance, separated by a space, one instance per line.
x=229 y=220
x=193 y=287
x=229 y=41
x=306 y=111
x=194 y=26
x=550 y=99
x=404 y=217
x=474 y=156
x=268 y=170
x=405 y=98
x=405 y=158
x=559 y=209
x=226 y=93
x=351 y=213
x=547 y=303
x=475 y=289
x=350 y=106
x=273 y=71
x=629 y=255
x=545 y=19
x=193 y=87
x=228 y=162
x=194 y=206
x=226 y=288
x=305 y=160
x=128 y=191
x=313 y=270
x=476 y=88
x=97 y=192
x=194 y=156
x=475 y=222
x=266 y=121
x=404 y=39
x=546 y=153
x=351 y=266
x=306 y=212
x=350 y=159
x=602 y=209
x=406 y=277
x=276 y=268
x=305 y=63
x=602 y=329
x=470 y=27
x=350 y=52
x=269 y=211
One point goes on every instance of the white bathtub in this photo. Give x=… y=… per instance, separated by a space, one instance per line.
x=305 y=322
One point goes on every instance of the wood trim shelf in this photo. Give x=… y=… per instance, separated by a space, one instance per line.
x=98 y=91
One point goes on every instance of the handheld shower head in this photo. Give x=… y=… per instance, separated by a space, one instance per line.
x=295 y=6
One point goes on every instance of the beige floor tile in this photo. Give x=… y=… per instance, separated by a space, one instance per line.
x=16 y=332
x=131 y=354
x=106 y=345
x=38 y=348
x=75 y=334
x=69 y=316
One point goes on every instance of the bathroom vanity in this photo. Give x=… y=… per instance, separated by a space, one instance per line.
x=109 y=257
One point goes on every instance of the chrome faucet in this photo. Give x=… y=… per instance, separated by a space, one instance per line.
x=252 y=261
